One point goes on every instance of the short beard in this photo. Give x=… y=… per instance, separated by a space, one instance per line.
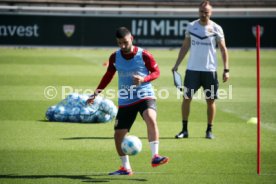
x=127 y=50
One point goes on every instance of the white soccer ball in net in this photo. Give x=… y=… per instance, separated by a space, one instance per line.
x=87 y=115
x=50 y=113
x=102 y=117
x=74 y=114
x=60 y=114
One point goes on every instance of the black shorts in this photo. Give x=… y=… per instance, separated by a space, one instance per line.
x=127 y=115
x=195 y=79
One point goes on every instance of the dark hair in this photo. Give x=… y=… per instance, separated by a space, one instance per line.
x=121 y=32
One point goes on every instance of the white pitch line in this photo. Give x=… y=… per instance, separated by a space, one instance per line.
x=263 y=125
x=148 y=172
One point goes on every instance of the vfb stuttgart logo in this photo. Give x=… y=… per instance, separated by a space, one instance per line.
x=254 y=28
x=68 y=29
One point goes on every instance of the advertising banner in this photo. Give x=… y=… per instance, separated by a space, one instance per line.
x=53 y=30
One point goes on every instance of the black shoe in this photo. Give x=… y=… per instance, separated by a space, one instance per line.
x=182 y=134
x=209 y=135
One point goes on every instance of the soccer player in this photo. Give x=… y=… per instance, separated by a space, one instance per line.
x=136 y=69
x=201 y=37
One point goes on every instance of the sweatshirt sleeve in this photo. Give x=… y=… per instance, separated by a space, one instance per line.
x=151 y=65
x=108 y=76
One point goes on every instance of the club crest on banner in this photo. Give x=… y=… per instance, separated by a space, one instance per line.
x=254 y=30
x=68 y=30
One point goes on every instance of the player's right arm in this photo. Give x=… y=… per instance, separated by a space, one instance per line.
x=183 y=51
x=106 y=79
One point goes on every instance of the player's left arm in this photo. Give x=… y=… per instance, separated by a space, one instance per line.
x=225 y=58
x=151 y=65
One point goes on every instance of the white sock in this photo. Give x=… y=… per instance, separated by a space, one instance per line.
x=154 y=146
x=125 y=162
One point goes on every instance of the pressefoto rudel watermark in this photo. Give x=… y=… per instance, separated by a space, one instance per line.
x=52 y=92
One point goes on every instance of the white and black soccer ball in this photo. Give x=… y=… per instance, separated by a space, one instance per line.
x=131 y=145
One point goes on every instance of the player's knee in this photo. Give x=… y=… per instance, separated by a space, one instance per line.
x=120 y=133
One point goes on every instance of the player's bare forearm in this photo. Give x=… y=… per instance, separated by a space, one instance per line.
x=182 y=53
x=224 y=55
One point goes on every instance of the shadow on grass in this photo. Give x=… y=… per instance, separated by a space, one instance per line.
x=82 y=178
x=104 y=138
x=83 y=138
x=69 y=122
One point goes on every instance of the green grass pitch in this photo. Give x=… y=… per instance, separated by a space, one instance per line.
x=34 y=151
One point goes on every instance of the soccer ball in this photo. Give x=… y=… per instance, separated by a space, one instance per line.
x=97 y=101
x=60 y=114
x=102 y=117
x=131 y=145
x=87 y=115
x=50 y=113
x=82 y=99
x=74 y=114
x=108 y=107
